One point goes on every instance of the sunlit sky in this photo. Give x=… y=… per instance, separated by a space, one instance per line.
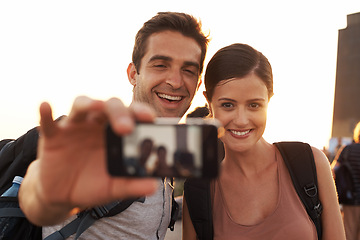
x=56 y=50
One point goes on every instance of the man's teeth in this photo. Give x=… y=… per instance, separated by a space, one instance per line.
x=239 y=133
x=168 y=97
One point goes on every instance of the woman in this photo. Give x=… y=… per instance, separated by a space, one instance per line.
x=248 y=197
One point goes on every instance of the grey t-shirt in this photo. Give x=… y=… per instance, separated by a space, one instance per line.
x=148 y=220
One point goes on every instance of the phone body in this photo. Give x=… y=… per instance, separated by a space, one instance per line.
x=165 y=149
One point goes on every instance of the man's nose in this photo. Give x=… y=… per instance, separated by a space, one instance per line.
x=175 y=78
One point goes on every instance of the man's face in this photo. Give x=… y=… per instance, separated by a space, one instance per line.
x=169 y=73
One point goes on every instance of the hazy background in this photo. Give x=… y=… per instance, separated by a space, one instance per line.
x=56 y=50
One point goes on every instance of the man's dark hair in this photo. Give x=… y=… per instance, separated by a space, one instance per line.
x=173 y=21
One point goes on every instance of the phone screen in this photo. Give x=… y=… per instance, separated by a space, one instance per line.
x=164 y=150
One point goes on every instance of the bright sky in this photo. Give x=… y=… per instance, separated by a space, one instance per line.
x=56 y=50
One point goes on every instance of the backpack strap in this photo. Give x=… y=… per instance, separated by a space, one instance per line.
x=174 y=208
x=13 y=211
x=198 y=200
x=299 y=160
x=87 y=218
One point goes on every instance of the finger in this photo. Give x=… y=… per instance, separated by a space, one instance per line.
x=82 y=107
x=47 y=125
x=142 y=112
x=125 y=188
x=97 y=117
x=120 y=117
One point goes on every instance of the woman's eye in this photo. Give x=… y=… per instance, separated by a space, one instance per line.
x=254 y=105
x=227 y=105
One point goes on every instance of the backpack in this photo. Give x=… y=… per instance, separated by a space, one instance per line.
x=299 y=160
x=344 y=178
x=15 y=157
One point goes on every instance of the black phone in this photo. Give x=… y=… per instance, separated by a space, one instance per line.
x=165 y=149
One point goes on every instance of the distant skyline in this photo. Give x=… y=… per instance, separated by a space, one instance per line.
x=56 y=50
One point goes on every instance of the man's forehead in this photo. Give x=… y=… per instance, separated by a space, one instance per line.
x=172 y=45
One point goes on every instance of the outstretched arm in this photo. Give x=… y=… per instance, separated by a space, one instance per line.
x=70 y=171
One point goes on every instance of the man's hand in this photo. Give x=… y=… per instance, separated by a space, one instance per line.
x=71 y=170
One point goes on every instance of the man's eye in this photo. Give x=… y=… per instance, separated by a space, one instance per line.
x=160 y=66
x=190 y=71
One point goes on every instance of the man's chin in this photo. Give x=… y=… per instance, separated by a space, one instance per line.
x=170 y=113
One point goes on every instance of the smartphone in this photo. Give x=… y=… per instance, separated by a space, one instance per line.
x=165 y=149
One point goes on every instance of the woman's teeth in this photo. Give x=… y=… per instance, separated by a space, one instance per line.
x=240 y=133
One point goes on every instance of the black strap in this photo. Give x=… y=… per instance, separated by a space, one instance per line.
x=10 y=207
x=198 y=199
x=174 y=209
x=87 y=218
x=120 y=206
x=11 y=212
x=66 y=231
x=299 y=160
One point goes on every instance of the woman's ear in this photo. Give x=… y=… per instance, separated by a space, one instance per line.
x=199 y=83
x=205 y=95
x=131 y=72
x=208 y=103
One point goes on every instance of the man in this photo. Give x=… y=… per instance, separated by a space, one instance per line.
x=70 y=171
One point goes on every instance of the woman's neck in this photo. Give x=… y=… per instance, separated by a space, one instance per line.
x=250 y=162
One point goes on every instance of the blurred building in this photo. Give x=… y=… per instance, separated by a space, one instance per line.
x=347 y=86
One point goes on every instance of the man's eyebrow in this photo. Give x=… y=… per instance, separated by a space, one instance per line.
x=160 y=57
x=166 y=58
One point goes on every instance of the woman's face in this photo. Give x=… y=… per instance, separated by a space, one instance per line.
x=240 y=104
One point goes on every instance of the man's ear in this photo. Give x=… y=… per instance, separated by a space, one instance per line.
x=131 y=72
x=208 y=103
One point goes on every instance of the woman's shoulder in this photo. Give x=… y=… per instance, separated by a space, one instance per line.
x=320 y=158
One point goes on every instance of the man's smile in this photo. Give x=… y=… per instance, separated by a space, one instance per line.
x=170 y=98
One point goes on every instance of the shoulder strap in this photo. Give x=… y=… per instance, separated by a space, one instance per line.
x=10 y=211
x=174 y=208
x=299 y=160
x=87 y=218
x=198 y=200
